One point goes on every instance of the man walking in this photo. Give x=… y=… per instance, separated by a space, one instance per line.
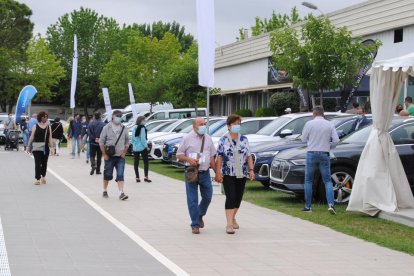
x=197 y=150
x=76 y=134
x=114 y=143
x=321 y=137
x=94 y=132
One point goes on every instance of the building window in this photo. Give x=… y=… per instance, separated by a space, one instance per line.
x=398 y=35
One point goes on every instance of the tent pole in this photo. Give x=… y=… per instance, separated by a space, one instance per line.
x=208 y=109
x=405 y=90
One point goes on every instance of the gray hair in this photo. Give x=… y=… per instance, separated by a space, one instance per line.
x=318 y=110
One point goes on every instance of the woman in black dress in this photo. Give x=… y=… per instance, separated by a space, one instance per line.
x=40 y=139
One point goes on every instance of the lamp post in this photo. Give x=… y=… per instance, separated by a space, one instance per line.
x=312 y=7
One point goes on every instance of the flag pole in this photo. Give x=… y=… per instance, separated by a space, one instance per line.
x=208 y=109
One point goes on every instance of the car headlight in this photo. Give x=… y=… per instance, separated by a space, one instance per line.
x=299 y=162
x=267 y=153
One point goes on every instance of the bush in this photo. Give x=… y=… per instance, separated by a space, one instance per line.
x=244 y=113
x=264 y=112
x=281 y=100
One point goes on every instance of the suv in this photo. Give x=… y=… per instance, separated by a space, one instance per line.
x=287 y=172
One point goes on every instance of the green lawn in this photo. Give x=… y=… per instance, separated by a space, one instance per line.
x=379 y=231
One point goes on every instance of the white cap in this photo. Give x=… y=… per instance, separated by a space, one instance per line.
x=288 y=110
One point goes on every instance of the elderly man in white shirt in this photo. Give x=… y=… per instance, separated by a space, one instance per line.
x=190 y=152
x=321 y=137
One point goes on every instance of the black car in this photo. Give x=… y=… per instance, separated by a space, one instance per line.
x=287 y=171
x=263 y=153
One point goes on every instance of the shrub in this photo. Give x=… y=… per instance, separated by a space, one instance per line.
x=244 y=112
x=279 y=101
x=264 y=112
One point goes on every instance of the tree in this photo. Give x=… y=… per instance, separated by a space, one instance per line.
x=323 y=57
x=275 y=22
x=42 y=69
x=143 y=64
x=15 y=33
x=98 y=37
x=159 y=29
x=181 y=81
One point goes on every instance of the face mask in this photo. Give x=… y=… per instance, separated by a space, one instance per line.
x=143 y=123
x=235 y=128
x=202 y=130
x=83 y=120
x=360 y=117
x=117 y=120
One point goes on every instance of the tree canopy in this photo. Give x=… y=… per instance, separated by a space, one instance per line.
x=323 y=57
x=275 y=22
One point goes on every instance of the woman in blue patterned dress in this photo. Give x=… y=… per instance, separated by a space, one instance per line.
x=234 y=165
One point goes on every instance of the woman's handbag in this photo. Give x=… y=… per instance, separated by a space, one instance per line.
x=40 y=146
x=192 y=171
x=110 y=149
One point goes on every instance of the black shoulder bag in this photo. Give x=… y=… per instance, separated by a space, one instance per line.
x=110 y=149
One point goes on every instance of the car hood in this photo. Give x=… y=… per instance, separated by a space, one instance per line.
x=167 y=137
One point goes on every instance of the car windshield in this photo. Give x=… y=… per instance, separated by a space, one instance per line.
x=152 y=125
x=270 y=128
x=165 y=127
x=221 y=131
x=187 y=129
x=358 y=137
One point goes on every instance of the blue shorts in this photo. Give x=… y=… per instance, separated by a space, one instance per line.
x=114 y=162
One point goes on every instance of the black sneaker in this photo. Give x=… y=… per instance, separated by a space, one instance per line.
x=332 y=210
x=92 y=171
x=105 y=194
x=98 y=172
x=307 y=210
x=123 y=196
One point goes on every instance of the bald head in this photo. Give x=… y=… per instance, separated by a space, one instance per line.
x=404 y=113
x=198 y=122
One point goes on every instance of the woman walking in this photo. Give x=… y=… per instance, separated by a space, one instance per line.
x=234 y=165
x=140 y=147
x=40 y=139
x=57 y=135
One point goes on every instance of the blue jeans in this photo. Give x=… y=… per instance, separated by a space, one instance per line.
x=321 y=159
x=195 y=209
x=77 y=141
x=114 y=162
x=25 y=138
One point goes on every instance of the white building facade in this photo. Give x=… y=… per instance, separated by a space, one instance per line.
x=246 y=80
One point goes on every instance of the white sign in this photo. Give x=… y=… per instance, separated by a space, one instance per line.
x=132 y=100
x=206 y=42
x=108 y=108
x=74 y=72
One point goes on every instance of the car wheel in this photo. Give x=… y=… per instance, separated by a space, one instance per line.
x=266 y=184
x=343 y=181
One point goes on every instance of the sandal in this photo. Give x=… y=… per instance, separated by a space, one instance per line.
x=230 y=230
x=235 y=224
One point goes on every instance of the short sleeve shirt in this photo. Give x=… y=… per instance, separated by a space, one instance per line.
x=410 y=109
x=191 y=144
x=225 y=150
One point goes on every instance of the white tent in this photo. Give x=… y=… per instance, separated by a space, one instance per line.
x=380 y=182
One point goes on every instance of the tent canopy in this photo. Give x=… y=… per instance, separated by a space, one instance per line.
x=405 y=63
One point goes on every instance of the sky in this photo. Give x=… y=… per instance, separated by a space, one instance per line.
x=230 y=15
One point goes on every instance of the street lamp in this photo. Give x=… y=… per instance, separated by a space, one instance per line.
x=312 y=7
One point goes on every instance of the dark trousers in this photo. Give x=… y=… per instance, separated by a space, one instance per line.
x=144 y=154
x=234 y=189
x=40 y=159
x=96 y=157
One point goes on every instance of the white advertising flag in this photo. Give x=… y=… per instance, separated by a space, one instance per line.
x=107 y=101
x=206 y=42
x=74 y=72
x=132 y=100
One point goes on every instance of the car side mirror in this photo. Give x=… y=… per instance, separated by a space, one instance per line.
x=285 y=132
x=177 y=130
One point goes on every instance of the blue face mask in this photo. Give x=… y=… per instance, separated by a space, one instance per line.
x=118 y=120
x=360 y=117
x=143 y=123
x=235 y=128
x=202 y=130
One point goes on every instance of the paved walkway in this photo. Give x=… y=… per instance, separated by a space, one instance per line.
x=50 y=228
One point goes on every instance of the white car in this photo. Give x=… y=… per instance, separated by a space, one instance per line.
x=248 y=126
x=289 y=125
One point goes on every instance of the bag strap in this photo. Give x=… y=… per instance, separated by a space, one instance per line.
x=119 y=135
x=56 y=127
x=202 y=144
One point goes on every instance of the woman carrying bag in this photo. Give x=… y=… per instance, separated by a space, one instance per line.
x=40 y=139
x=140 y=147
x=234 y=165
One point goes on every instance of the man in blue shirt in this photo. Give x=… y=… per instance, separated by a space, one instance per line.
x=76 y=134
x=321 y=137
